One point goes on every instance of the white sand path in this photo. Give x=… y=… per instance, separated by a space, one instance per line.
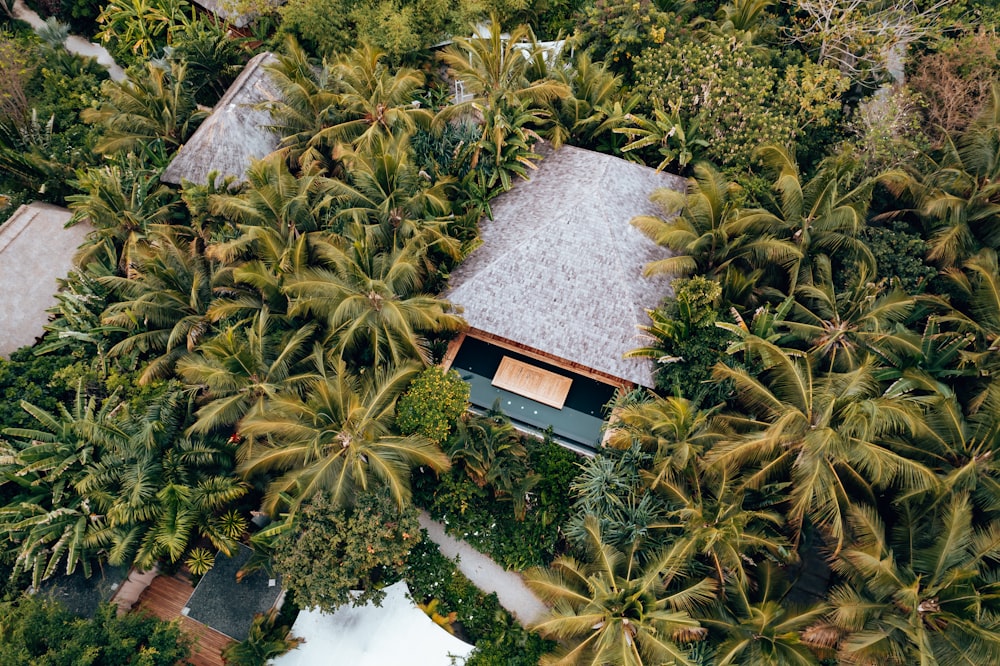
x=486 y=574
x=74 y=43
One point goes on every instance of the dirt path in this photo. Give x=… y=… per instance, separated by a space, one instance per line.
x=486 y=574
x=74 y=43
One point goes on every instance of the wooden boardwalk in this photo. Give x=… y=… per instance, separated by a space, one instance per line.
x=165 y=598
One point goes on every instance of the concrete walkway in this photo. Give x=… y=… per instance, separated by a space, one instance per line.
x=74 y=43
x=486 y=574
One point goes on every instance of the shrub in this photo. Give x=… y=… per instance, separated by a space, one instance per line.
x=432 y=404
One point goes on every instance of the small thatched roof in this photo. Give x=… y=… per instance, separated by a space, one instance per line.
x=223 y=10
x=560 y=267
x=36 y=249
x=234 y=134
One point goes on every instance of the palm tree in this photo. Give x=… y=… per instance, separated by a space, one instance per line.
x=598 y=103
x=759 y=627
x=673 y=430
x=830 y=435
x=959 y=198
x=371 y=303
x=158 y=491
x=619 y=607
x=389 y=197
x=338 y=438
x=821 y=216
x=47 y=521
x=924 y=594
x=842 y=327
x=165 y=303
x=240 y=369
x=305 y=104
x=157 y=105
x=371 y=101
x=122 y=201
x=139 y=25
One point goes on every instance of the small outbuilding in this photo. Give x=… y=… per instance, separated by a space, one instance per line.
x=236 y=133
x=36 y=250
x=555 y=292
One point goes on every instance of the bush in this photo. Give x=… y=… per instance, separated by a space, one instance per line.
x=432 y=404
x=740 y=100
x=489 y=524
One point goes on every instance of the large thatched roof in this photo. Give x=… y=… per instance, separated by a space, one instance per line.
x=560 y=267
x=36 y=249
x=234 y=134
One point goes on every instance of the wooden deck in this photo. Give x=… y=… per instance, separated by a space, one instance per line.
x=165 y=598
x=532 y=382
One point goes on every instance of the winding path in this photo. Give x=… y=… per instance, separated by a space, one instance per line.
x=486 y=574
x=74 y=43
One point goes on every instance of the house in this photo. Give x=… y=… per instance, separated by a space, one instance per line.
x=36 y=250
x=236 y=132
x=555 y=292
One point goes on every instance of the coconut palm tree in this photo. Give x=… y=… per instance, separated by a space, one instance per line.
x=390 y=198
x=123 y=201
x=619 y=607
x=372 y=101
x=338 y=438
x=924 y=593
x=164 y=304
x=757 y=625
x=819 y=217
x=958 y=195
x=831 y=435
x=305 y=104
x=597 y=104
x=157 y=105
x=371 y=303
x=841 y=327
x=240 y=369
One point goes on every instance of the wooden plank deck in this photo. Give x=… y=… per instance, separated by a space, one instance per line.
x=165 y=598
x=532 y=382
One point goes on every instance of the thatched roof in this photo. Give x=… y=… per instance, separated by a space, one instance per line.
x=560 y=267
x=222 y=9
x=36 y=249
x=234 y=134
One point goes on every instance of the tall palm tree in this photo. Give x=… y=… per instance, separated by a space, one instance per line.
x=164 y=304
x=305 y=105
x=123 y=201
x=830 y=435
x=759 y=627
x=371 y=100
x=155 y=105
x=841 y=327
x=958 y=198
x=926 y=593
x=619 y=608
x=338 y=438
x=388 y=196
x=371 y=303
x=819 y=217
x=597 y=104
x=240 y=369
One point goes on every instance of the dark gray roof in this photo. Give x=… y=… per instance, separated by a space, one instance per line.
x=81 y=595
x=234 y=134
x=560 y=267
x=228 y=606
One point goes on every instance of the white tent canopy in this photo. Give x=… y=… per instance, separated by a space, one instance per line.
x=396 y=633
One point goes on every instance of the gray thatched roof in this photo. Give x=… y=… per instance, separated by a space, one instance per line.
x=234 y=134
x=36 y=249
x=560 y=267
x=221 y=8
